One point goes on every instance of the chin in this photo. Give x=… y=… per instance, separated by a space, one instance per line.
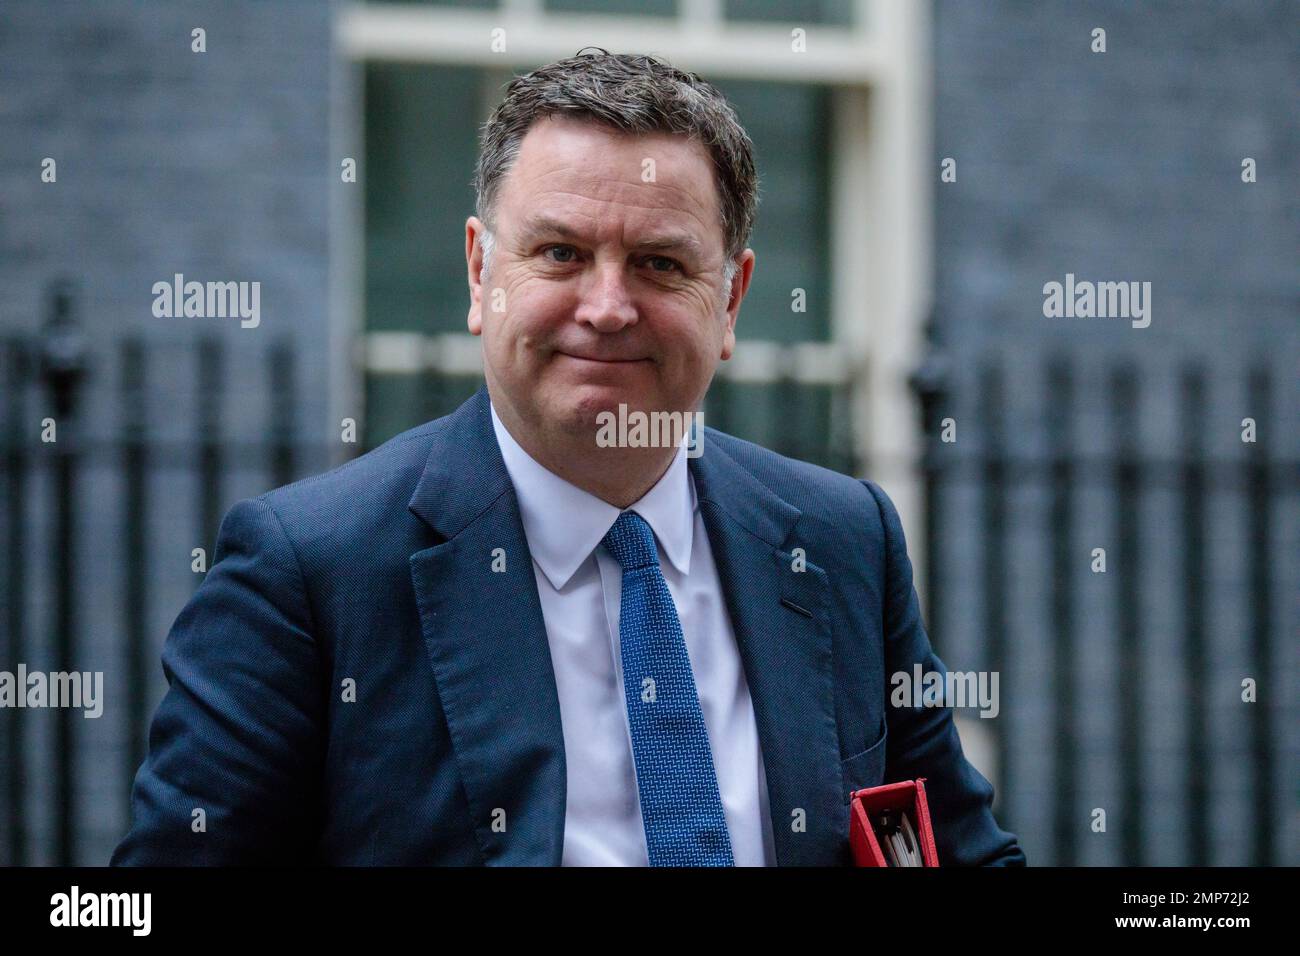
x=577 y=406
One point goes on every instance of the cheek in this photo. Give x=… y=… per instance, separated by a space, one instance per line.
x=533 y=309
x=700 y=334
x=524 y=316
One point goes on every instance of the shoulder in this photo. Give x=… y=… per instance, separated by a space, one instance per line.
x=813 y=489
x=392 y=468
x=357 y=505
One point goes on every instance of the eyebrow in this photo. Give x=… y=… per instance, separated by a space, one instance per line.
x=537 y=226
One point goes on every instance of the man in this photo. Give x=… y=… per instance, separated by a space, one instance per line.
x=504 y=638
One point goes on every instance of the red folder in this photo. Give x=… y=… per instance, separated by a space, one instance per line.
x=908 y=795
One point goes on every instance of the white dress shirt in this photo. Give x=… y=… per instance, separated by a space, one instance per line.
x=580 y=586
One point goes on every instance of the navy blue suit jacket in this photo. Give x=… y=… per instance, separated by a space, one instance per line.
x=377 y=577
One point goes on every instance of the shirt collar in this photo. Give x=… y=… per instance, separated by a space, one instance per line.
x=564 y=524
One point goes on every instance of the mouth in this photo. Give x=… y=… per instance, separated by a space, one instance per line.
x=603 y=361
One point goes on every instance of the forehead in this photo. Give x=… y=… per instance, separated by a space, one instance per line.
x=583 y=172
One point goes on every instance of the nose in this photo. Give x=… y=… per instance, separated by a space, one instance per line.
x=606 y=304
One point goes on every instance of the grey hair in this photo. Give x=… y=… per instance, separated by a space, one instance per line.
x=634 y=94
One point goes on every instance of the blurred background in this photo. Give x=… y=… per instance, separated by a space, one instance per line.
x=894 y=330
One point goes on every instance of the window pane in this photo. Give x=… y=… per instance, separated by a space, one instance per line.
x=421 y=144
x=790 y=127
x=653 y=8
x=458 y=4
x=833 y=12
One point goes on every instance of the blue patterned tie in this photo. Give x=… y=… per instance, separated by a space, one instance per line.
x=680 y=804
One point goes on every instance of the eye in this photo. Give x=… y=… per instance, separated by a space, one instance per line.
x=663 y=264
x=567 y=254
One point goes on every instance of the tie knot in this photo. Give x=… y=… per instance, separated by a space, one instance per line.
x=631 y=542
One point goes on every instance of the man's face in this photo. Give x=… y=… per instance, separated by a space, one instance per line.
x=604 y=288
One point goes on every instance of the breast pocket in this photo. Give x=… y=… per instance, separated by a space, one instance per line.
x=866 y=769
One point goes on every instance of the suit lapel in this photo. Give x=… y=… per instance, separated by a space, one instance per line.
x=787 y=655
x=487 y=643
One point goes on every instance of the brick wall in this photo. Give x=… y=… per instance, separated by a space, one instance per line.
x=215 y=165
x=1123 y=165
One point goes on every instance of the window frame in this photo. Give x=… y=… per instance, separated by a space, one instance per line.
x=880 y=182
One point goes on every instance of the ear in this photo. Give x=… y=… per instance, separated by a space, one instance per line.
x=474 y=229
x=739 y=286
